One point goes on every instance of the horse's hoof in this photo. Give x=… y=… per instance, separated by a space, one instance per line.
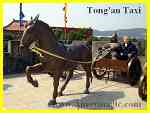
x=60 y=94
x=35 y=83
x=52 y=102
x=86 y=92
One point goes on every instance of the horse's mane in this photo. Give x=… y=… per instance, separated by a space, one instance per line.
x=41 y=23
x=46 y=26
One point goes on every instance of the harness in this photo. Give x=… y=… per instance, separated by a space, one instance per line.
x=39 y=51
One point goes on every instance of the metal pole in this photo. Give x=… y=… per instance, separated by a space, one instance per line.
x=65 y=22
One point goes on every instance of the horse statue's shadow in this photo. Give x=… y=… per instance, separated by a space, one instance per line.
x=95 y=100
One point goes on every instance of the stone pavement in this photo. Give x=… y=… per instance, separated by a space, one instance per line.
x=19 y=94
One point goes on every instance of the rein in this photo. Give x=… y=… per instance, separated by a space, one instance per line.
x=40 y=51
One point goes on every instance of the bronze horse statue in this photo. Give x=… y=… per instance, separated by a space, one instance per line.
x=37 y=30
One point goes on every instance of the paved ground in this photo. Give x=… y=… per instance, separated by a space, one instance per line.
x=18 y=94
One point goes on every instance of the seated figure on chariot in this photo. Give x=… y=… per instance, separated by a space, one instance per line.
x=125 y=50
x=111 y=45
x=114 y=38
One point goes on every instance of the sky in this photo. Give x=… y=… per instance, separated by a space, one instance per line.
x=79 y=16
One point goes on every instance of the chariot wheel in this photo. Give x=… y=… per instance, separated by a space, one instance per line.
x=142 y=89
x=134 y=71
x=99 y=73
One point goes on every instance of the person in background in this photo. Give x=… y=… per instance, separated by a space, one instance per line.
x=114 y=44
x=114 y=38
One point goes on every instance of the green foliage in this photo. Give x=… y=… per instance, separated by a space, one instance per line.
x=95 y=39
x=141 y=48
x=101 y=39
x=73 y=35
x=133 y=39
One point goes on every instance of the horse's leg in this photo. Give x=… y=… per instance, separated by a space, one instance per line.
x=66 y=82
x=52 y=75
x=55 y=85
x=33 y=69
x=88 y=78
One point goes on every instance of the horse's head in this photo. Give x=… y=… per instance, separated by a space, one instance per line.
x=29 y=35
